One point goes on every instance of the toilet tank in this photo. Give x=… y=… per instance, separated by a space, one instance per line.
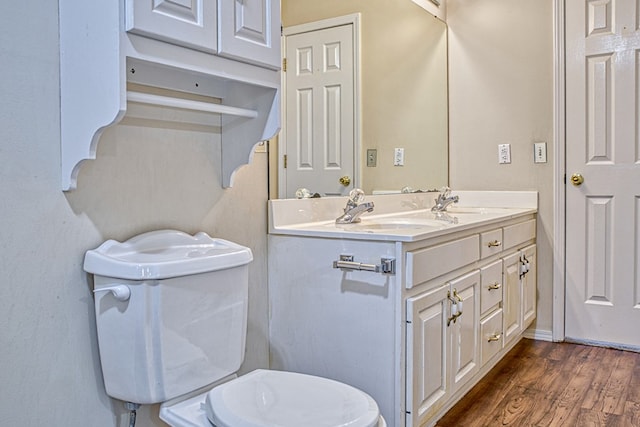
x=171 y=312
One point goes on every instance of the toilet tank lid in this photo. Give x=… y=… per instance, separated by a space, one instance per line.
x=163 y=254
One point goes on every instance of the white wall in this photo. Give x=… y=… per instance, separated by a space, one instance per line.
x=501 y=91
x=143 y=179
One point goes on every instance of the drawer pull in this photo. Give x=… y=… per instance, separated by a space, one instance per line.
x=494 y=286
x=494 y=243
x=494 y=337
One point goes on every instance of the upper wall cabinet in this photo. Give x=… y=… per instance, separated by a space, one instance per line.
x=249 y=30
x=225 y=50
x=242 y=30
x=186 y=23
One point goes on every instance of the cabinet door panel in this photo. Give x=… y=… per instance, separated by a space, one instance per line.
x=189 y=23
x=249 y=30
x=512 y=297
x=491 y=286
x=427 y=354
x=465 y=331
x=529 y=287
x=491 y=336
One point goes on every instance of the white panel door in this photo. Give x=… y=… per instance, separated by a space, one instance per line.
x=603 y=146
x=190 y=23
x=249 y=30
x=320 y=113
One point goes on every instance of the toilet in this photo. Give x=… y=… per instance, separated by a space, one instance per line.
x=171 y=316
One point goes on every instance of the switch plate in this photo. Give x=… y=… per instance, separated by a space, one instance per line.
x=398 y=157
x=540 y=152
x=372 y=157
x=504 y=153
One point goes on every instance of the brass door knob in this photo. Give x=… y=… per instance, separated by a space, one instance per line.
x=577 y=179
x=345 y=180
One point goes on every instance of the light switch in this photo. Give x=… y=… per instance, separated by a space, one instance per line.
x=540 y=152
x=372 y=157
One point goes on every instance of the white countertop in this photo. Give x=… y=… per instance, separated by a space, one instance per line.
x=398 y=217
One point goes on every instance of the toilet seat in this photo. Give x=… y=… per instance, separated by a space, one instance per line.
x=265 y=398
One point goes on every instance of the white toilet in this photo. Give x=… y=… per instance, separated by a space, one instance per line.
x=171 y=314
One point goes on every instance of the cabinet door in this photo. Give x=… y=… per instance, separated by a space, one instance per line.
x=428 y=346
x=465 y=331
x=249 y=30
x=512 y=297
x=189 y=23
x=529 y=286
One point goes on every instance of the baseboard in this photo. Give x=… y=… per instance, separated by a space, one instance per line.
x=538 y=334
x=615 y=346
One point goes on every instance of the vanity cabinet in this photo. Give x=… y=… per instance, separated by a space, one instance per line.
x=416 y=339
x=242 y=30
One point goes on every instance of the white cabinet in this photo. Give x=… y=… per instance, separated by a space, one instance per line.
x=428 y=349
x=442 y=344
x=224 y=52
x=491 y=312
x=519 y=292
x=190 y=24
x=247 y=30
x=529 y=285
x=446 y=311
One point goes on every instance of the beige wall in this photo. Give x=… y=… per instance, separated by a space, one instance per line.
x=403 y=87
x=501 y=77
x=143 y=179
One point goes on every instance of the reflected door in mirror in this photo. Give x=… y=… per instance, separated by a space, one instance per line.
x=319 y=114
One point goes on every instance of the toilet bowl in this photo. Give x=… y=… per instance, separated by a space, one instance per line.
x=171 y=315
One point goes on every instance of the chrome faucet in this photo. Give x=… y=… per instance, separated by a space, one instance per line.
x=354 y=207
x=444 y=200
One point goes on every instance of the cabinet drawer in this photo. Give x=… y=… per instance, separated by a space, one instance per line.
x=491 y=286
x=491 y=336
x=490 y=242
x=519 y=233
x=426 y=264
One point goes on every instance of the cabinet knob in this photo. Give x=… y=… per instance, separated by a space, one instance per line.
x=494 y=243
x=345 y=180
x=494 y=286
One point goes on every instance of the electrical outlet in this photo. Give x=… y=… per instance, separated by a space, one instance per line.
x=372 y=157
x=398 y=157
x=504 y=153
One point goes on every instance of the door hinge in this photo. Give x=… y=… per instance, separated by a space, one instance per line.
x=284 y=65
x=285 y=161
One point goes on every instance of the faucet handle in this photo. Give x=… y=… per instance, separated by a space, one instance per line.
x=356 y=195
x=446 y=191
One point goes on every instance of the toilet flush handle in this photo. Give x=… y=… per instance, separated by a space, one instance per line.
x=120 y=292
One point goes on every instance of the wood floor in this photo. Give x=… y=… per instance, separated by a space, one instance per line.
x=540 y=383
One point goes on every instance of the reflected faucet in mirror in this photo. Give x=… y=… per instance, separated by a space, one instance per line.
x=355 y=207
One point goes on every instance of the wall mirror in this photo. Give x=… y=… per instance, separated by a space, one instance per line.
x=402 y=103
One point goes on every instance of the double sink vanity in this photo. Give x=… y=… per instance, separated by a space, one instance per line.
x=412 y=306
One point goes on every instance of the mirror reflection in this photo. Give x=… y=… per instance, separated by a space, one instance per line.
x=395 y=125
